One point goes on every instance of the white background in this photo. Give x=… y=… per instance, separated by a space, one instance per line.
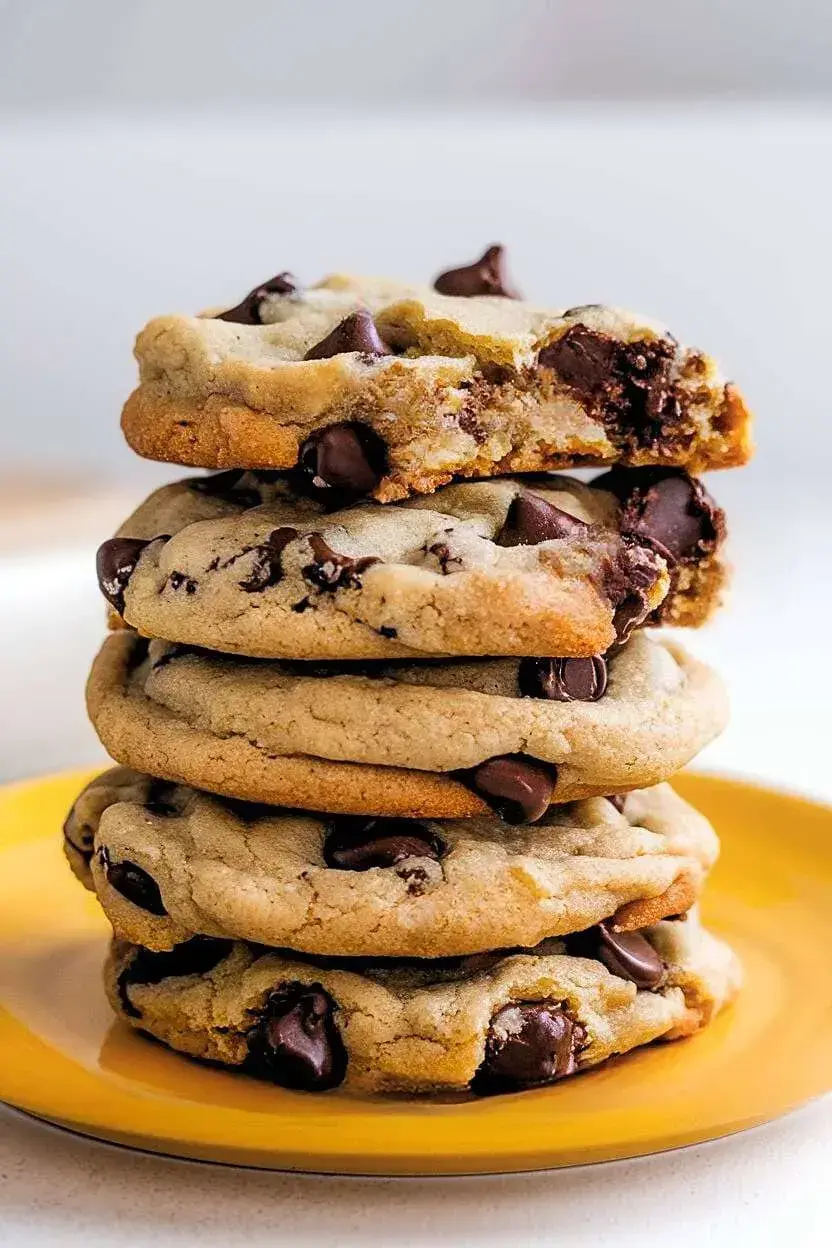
x=163 y=156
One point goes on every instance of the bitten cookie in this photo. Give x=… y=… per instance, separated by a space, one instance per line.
x=243 y=563
x=455 y=381
x=492 y=1023
x=437 y=740
x=168 y=862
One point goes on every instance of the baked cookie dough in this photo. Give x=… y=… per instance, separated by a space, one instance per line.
x=491 y=1023
x=168 y=862
x=243 y=563
x=438 y=385
x=430 y=740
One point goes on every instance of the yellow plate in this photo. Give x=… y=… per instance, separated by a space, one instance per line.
x=64 y=1058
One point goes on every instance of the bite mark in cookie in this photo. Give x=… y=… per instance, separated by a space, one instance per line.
x=629 y=384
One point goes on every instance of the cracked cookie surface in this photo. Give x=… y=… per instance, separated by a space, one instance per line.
x=355 y=886
x=244 y=563
x=493 y=1023
x=451 y=386
x=287 y=734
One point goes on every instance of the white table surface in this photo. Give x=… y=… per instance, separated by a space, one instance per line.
x=763 y=1186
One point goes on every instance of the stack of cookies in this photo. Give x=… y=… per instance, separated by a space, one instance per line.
x=391 y=698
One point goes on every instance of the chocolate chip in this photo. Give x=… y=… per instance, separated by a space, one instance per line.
x=629 y=955
x=627 y=618
x=519 y=789
x=227 y=486
x=178 y=580
x=563 y=680
x=357 y=844
x=297 y=1043
x=332 y=571
x=267 y=568
x=346 y=460
x=628 y=384
x=527 y=1044
x=116 y=562
x=134 y=883
x=302 y=605
x=197 y=956
x=387 y=630
x=629 y=578
x=248 y=311
x=357 y=332
x=485 y=276
x=531 y=520
x=668 y=509
x=442 y=552
x=583 y=359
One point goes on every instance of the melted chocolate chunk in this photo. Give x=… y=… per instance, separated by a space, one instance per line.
x=116 y=562
x=532 y=520
x=629 y=955
x=341 y=463
x=197 y=956
x=332 y=571
x=267 y=568
x=247 y=312
x=529 y=1043
x=563 y=680
x=357 y=332
x=629 y=581
x=357 y=844
x=296 y=1043
x=668 y=509
x=134 y=883
x=517 y=788
x=485 y=276
x=628 y=384
x=178 y=580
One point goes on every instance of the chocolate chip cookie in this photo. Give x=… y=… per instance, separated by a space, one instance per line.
x=435 y=740
x=486 y=1024
x=455 y=381
x=168 y=862
x=244 y=563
